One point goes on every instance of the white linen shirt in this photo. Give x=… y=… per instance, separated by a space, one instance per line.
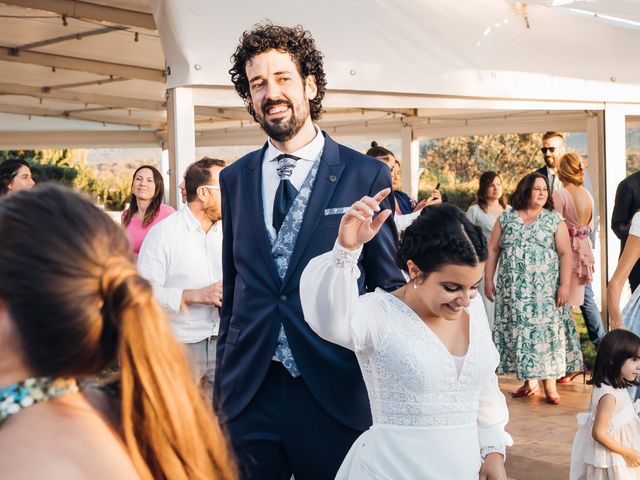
x=271 y=180
x=177 y=255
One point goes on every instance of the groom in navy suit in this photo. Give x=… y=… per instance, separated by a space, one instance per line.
x=291 y=402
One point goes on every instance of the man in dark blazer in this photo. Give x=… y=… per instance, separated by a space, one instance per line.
x=553 y=148
x=291 y=402
x=626 y=205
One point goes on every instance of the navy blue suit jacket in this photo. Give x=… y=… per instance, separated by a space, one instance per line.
x=256 y=301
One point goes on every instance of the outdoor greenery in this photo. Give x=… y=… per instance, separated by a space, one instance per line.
x=457 y=163
x=108 y=186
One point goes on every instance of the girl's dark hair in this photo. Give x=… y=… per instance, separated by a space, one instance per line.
x=614 y=349
x=522 y=195
x=441 y=235
x=486 y=179
x=78 y=304
x=295 y=41
x=377 y=151
x=156 y=201
x=8 y=171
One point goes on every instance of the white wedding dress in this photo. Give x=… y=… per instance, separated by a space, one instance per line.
x=431 y=418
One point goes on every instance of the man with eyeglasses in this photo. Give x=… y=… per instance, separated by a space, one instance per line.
x=181 y=257
x=552 y=149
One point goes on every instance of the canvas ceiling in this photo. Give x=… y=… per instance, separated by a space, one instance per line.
x=440 y=67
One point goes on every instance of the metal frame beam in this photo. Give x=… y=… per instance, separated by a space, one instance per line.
x=82 y=64
x=80 y=97
x=90 y=11
x=65 y=139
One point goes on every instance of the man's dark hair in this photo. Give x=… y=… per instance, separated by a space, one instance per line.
x=522 y=195
x=614 y=349
x=295 y=41
x=198 y=174
x=376 y=151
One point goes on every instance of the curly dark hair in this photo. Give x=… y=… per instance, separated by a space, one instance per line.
x=295 y=41
x=520 y=198
x=441 y=235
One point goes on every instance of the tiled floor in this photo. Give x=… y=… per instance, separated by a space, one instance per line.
x=542 y=433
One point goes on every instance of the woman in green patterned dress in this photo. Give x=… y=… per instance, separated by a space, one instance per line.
x=534 y=331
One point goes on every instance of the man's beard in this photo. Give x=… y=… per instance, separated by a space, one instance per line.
x=284 y=130
x=213 y=213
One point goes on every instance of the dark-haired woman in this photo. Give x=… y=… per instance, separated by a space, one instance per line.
x=533 y=329
x=15 y=175
x=491 y=202
x=69 y=311
x=146 y=207
x=425 y=350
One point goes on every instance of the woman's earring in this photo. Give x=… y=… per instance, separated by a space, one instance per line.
x=415 y=283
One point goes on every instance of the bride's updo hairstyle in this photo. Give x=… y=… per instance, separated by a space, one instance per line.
x=78 y=305
x=441 y=235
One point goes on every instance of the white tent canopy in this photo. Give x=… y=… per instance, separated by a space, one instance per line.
x=139 y=72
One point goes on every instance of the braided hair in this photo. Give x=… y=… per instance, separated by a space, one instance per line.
x=441 y=235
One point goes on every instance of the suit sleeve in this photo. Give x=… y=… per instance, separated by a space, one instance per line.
x=228 y=279
x=379 y=254
x=621 y=217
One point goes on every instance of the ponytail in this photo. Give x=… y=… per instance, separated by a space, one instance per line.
x=168 y=429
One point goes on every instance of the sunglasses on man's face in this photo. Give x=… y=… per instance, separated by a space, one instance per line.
x=550 y=149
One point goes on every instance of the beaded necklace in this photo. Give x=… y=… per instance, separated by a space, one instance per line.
x=26 y=393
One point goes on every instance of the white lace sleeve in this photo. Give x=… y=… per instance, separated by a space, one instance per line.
x=331 y=303
x=493 y=416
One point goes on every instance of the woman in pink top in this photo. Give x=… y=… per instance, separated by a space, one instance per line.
x=146 y=207
x=575 y=204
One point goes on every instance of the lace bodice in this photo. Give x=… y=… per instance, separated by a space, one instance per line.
x=411 y=377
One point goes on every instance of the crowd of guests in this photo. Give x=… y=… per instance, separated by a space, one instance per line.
x=351 y=342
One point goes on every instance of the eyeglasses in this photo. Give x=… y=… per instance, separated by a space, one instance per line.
x=550 y=149
x=212 y=187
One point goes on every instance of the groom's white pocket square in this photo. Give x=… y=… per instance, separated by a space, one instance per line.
x=336 y=211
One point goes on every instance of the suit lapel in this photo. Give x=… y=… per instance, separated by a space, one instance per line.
x=254 y=210
x=328 y=177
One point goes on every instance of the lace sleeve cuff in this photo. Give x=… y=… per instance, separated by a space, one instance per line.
x=344 y=258
x=484 y=451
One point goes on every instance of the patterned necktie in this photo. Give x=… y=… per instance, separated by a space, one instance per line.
x=286 y=192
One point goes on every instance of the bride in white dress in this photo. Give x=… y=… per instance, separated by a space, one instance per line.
x=425 y=350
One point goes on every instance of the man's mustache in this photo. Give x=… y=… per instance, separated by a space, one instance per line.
x=267 y=104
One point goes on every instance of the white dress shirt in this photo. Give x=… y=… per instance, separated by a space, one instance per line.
x=554 y=182
x=271 y=180
x=177 y=255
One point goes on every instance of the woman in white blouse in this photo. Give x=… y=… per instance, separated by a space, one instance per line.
x=491 y=202
x=425 y=350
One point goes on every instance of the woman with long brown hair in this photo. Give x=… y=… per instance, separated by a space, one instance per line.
x=491 y=203
x=72 y=304
x=146 y=207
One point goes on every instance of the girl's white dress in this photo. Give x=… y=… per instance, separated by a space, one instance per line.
x=430 y=420
x=592 y=461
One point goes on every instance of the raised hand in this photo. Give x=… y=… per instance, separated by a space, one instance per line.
x=358 y=226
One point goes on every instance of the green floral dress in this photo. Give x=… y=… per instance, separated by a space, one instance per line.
x=535 y=339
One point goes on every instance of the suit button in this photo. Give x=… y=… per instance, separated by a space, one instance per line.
x=283 y=298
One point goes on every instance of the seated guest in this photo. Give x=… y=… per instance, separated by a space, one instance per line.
x=15 y=175
x=69 y=311
x=146 y=207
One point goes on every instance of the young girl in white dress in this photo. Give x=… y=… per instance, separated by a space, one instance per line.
x=425 y=350
x=607 y=444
